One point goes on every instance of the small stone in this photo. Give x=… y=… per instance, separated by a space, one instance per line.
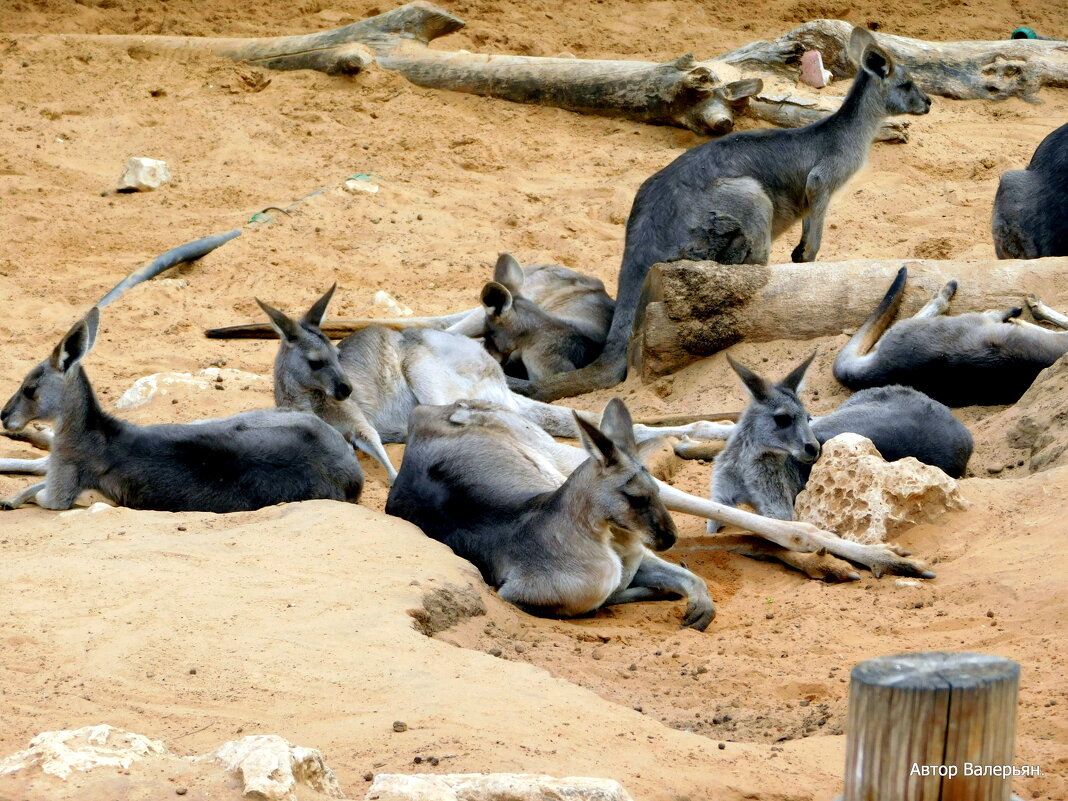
x=181 y=790
x=989 y=612
x=633 y=666
x=368 y=776
x=722 y=746
x=597 y=653
x=638 y=709
x=181 y=528
x=418 y=760
x=770 y=616
x=520 y=648
x=143 y=175
x=495 y=652
x=433 y=760
x=192 y=671
x=701 y=669
x=399 y=726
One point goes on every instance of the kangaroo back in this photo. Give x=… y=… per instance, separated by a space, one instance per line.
x=1030 y=218
x=900 y=422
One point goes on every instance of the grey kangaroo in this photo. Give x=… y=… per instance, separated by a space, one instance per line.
x=1031 y=206
x=972 y=359
x=726 y=200
x=545 y=319
x=770 y=453
x=368 y=384
x=238 y=463
x=555 y=538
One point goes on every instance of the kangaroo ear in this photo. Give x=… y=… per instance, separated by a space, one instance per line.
x=286 y=328
x=77 y=342
x=496 y=298
x=859 y=40
x=796 y=378
x=317 y=312
x=596 y=444
x=737 y=90
x=757 y=386
x=509 y=272
x=617 y=425
x=867 y=55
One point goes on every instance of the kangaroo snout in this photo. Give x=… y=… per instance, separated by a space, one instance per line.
x=342 y=390
x=809 y=453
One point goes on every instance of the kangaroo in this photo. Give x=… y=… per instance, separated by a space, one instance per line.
x=726 y=200
x=984 y=359
x=368 y=384
x=544 y=320
x=771 y=450
x=555 y=538
x=238 y=463
x=576 y=299
x=1031 y=206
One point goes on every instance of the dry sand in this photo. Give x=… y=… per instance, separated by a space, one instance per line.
x=295 y=618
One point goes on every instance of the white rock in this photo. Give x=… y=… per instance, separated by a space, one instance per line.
x=492 y=787
x=143 y=175
x=271 y=768
x=147 y=387
x=855 y=492
x=385 y=301
x=360 y=186
x=59 y=753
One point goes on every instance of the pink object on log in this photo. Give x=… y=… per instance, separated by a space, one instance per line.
x=812 y=71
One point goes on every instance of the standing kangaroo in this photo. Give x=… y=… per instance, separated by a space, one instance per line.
x=554 y=537
x=368 y=384
x=771 y=450
x=1031 y=206
x=980 y=359
x=238 y=463
x=544 y=320
x=726 y=200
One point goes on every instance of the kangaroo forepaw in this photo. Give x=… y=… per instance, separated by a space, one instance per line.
x=891 y=561
x=798 y=254
x=699 y=613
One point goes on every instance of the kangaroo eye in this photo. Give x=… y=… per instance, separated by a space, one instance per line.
x=316 y=364
x=637 y=501
x=29 y=393
x=783 y=420
x=907 y=85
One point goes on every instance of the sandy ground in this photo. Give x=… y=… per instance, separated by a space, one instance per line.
x=296 y=618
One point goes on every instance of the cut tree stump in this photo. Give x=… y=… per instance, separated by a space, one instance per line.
x=692 y=309
x=918 y=722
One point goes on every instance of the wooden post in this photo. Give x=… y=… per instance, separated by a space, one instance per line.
x=919 y=724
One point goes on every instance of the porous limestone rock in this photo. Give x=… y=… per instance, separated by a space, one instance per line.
x=60 y=753
x=143 y=175
x=855 y=492
x=491 y=787
x=267 y=768
x=271 y=768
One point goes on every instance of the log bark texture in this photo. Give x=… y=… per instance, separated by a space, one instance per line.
x=694 y=309
x=930 y=709
x=960 y=70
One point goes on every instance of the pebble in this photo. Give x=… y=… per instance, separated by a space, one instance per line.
x=368 y=776
x=722 y=746
x=181 y=790
x=192 y=671
x=495 y=652
x=400 y=725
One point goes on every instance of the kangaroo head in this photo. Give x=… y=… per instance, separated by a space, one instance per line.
x=776 y=419
x=306 y=357
x=624 y=494
x=900 y=94
x=40 y=397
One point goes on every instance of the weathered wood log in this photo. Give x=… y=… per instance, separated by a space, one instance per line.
x=919 y=723
x=694 y=309
x=345 y=50
x=960 y=70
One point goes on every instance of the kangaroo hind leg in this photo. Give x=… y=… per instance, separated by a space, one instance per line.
x=939 y=302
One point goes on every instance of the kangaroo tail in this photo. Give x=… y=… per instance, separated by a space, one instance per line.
x=849 y=366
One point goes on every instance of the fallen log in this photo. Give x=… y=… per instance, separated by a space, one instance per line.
x=345 y=50
x=694 y=309
x=960 y=70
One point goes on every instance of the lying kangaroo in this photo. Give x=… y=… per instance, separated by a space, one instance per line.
x=980 y=359
x=1031 y=206
x=544 y=319
x=554 y=537
x=368 y=384
x=239 y=463
x=727 y=199
x=771 y=450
